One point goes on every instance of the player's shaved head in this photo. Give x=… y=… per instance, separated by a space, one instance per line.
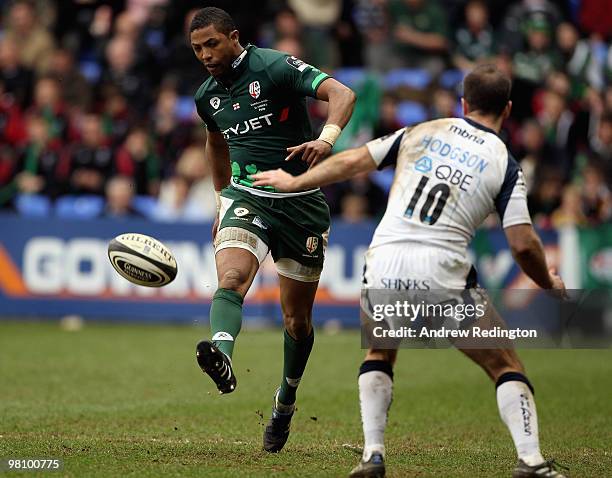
x=214 y=16
x=487 y=90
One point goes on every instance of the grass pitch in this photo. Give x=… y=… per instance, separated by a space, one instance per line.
x=129 y=400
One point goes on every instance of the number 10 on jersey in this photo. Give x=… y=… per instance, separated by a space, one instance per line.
x=438 y=194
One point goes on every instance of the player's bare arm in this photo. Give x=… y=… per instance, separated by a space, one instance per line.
x=217 y=156
x=339 y=167
x=528 y=252
x=341 y=101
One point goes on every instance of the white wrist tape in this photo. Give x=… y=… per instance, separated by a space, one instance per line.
x=218 y=200
x=330 y=134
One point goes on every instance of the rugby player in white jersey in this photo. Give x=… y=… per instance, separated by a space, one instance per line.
x=450 y=175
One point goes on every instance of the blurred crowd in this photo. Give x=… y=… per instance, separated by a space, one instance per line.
x=97 y=115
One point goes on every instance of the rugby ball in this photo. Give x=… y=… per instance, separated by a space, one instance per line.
x=142 y=259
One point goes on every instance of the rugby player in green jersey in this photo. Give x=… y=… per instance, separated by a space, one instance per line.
x=254 y=108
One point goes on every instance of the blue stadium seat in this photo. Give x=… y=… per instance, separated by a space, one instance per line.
x=91 y=70
x=185 y=107
x=406 y=77
x=33 y=205
x=145 y=205
x=451 y=78
x=411 y=112
x=79 y=207
x=350 y=76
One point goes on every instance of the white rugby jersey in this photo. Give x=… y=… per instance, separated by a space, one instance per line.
x=450 y=175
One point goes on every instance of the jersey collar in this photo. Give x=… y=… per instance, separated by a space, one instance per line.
x=238 y=64
x=476 y=124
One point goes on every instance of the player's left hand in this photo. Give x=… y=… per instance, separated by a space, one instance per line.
x=311 y=152
x=281 y=180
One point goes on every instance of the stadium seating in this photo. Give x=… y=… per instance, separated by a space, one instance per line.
x=450 y=79
x=185 y=108
x=411 y=112
x=145 y=205
x=79 y=207
x=33 y=205
x=407 y=78
x=350 y=77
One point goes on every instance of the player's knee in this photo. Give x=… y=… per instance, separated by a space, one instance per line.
x=233 y=279
x=298 y=325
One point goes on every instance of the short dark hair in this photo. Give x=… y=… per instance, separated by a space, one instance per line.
x=487 y=90
x=217 y=17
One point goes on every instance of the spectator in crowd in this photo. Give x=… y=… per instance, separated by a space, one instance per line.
x=444 y=104
x=420 y=34
x=119 y=195
x=17 y=79
x=570 y=212
x=116 y=115
x=350 y=43
x=48 y=104
x=596 y=197
x=289 y=45
x=580 y=63
x=285 y=26
x=35 y=43
x=361 y=185
x=535 y=152
x=137 y=160
x=475 y=41
x=123 y=73
x=189 y=195
x=601 y=141
x=8 y=168
x=318 y=18
x=371 y=20
x=43 y=164
x=171 y=134
x=188 y=74
x=75 y=90
x=520 y=13
x=545 y=196
x=538 y=59
x=354 y=208
x=12 y=129
x=388 y=122
x=91 y=159
x=595 y=18
x=557 y=120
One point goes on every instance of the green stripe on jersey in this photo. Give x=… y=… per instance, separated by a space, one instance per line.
x=318 y=79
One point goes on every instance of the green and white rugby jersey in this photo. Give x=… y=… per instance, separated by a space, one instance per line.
x=262 y=113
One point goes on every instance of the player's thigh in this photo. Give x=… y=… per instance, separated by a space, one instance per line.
x=241 y=243
x=301 y=230
x=501 y=357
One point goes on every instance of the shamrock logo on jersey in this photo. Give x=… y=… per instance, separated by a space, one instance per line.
x=251 y=169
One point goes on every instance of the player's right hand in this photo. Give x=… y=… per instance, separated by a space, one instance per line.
x=281 y=180
x=558 y=286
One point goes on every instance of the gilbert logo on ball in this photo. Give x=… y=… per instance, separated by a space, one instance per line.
x=142 y=260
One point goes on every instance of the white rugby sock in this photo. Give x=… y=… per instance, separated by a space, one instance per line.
x=375 y=392
x=518 y=411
